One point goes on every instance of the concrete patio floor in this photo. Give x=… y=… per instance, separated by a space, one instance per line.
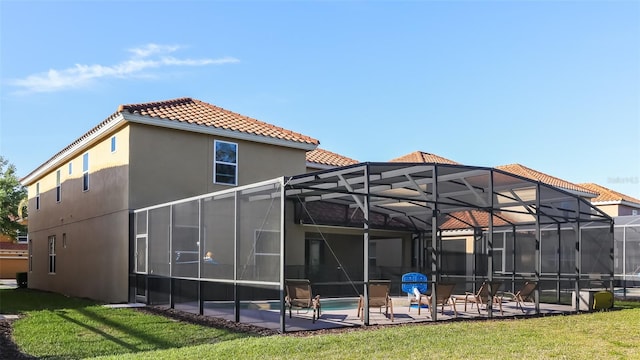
x=347 y=317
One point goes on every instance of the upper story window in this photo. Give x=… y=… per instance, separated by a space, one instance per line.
x=225 y=163
x=37 y=196
x=113 y=144
x=70 y=168
x=85 y=172
x=58 y=187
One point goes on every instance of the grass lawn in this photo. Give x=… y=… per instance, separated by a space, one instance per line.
x=59 y=327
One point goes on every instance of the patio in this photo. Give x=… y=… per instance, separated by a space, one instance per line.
x=343 y=228
x=269 y=316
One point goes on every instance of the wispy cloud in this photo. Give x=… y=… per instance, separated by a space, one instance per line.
x=150 y=56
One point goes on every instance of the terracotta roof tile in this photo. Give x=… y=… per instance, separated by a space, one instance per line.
x=13 y=246
x=192 y=111
x=529 y=173
x=606 y=194
x=325 y=157
x=423 y=157
x=466 y=219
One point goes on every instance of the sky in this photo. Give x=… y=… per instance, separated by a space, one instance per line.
x=552 y=85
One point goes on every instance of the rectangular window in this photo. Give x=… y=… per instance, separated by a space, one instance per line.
x=64 y=240
x=85 y=172
x=52 y=254
x=23 y=239
x=30 y=249
x=58 y=188
x=225 y=163
x=70 y=168
x=37 y=196
x=113 y=144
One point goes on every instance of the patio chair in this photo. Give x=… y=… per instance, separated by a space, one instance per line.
x=415 y=285
x=443 y=297
x=482 y=296
x=378 y=291
x=300 y=296
x=525 y=293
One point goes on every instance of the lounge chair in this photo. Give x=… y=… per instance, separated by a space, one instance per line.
x=482 y=296
x=415 y=285
x=443 y=297
x=524 y=294
x=378 y=297
x=300 y=296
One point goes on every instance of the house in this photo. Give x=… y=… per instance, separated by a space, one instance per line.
x=612 y=202
x=13 y=253
x=188 y=205
x=321 y=159
x=80 y=200
x=423 y=157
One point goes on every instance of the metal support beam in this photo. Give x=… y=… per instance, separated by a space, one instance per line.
x=435 y=251
x=578 y=260
x=537 y=251
x=490 y=251
x=365 y=211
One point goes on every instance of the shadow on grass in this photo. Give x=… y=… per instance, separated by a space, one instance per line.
x=105 y=335
x=20 y=301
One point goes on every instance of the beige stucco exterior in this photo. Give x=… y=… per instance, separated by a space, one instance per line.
x=151 y=165
x=618 y=209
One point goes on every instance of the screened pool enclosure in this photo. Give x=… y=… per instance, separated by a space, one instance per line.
x=227 y=254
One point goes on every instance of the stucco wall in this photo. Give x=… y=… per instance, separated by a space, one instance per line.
x=9 y=267
x=168 y=165
x=91 y=227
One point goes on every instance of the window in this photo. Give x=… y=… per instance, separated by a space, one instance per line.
x=58 y=188
x=113 y=144
x=30 y=249
x=64 y=240
x=70 y=168
x=225 y=166
x=85 y=172
x=373 y=257
x=634 y=212
x=37 y=196
x=23 y=239
x=52 y=254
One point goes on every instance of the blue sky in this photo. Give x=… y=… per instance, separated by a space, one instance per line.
x=552 y=85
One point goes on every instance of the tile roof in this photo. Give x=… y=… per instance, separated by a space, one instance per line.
x=13 y=246
x=423 y=157
x=183 y=110
x=607 y=195
x=466 y=219
x=529 y=173
x=325 y=157
x=192 y=111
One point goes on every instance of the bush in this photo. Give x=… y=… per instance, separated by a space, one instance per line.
x=21 y=279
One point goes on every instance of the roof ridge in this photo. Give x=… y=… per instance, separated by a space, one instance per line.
x=154 y=104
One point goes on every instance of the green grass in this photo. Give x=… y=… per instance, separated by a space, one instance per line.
x=58 y=327
x=72 y=328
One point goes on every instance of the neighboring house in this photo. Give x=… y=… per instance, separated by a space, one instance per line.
x=612 y=202
x=423 y=157
x=532 y=174
x=80 y=200
x=320 y=159
x=13 y=254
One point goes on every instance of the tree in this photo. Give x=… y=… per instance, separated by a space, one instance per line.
x=12 y=194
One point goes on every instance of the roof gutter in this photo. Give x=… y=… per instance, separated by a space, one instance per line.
x=617 y=202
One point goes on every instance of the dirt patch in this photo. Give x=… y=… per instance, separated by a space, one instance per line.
x=9 y=349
